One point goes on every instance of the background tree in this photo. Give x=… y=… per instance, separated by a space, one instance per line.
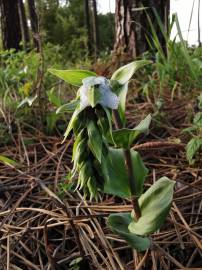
x=132 y=25
x=107 y=27
x=88 y=27
x=34 y=23
x=10 y=24
x=23 y=23
x=95 y=28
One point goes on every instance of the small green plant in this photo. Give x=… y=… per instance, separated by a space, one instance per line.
x=102 y=156
x=195 y=144
x=74 y=264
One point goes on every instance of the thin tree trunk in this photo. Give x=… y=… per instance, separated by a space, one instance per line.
x=10 y=24
x=34 y=24
x=23 y=23
x=199 y=26
x=88 y=28
x=95 y=28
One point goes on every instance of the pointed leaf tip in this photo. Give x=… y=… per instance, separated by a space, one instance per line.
x=125 y=73
x=73 y=77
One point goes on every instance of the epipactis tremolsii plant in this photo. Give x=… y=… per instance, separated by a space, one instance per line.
x=103 y=160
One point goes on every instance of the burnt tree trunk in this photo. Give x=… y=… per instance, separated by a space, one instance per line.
x=23 y=23
x=34 y=23
x=10 y=24
x=124 y=28
x=133 y=27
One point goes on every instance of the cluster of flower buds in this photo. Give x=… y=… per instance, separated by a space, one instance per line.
x=89 y=151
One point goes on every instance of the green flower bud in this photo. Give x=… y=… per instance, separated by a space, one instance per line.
x=85 y=173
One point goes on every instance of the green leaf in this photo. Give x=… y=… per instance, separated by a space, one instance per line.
x=95 y=140
x=117 y=181
x=51 y=119
x=109 y=118
x=200 y=101
x=198 y=119
x=125 y=137
x=71 y=123
x=94 y=96
x=79 y=138
x=79 y=154
x=122 y=103
x=119 y=83
x=73 y=77
x=193 y=146
x=92 y=188
x=53 y=98
x=155 y=205
x=75 y=263
x=190 y=129
x=85 y=174
x=27 y=100
x=125 y=73
x=119 y=225
x=68 y=107
x=8 y=161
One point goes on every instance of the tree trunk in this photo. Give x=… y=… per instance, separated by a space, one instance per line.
x=133 y=27
x=34 y=24
x=89 y=37
x=125 y=28
x=199 y=25
x=10 y=24
x=23 y=23
x=95 y=28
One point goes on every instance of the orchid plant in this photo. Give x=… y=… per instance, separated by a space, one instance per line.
x=103 y=160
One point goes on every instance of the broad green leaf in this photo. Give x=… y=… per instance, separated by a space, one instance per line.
x=119 y=83
x=117 y=181
x=73 y=77
x=125 y=73
x=193 y=146
x=94 y=96
x=119 y=223
x=155 y=205
x=95 y=140
x=69 y=107
x=125 y=137
x=8 y=161
x=121 y=91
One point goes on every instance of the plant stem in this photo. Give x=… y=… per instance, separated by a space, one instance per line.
x=129 y=167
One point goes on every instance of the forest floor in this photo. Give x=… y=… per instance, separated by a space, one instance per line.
x=43 y=226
